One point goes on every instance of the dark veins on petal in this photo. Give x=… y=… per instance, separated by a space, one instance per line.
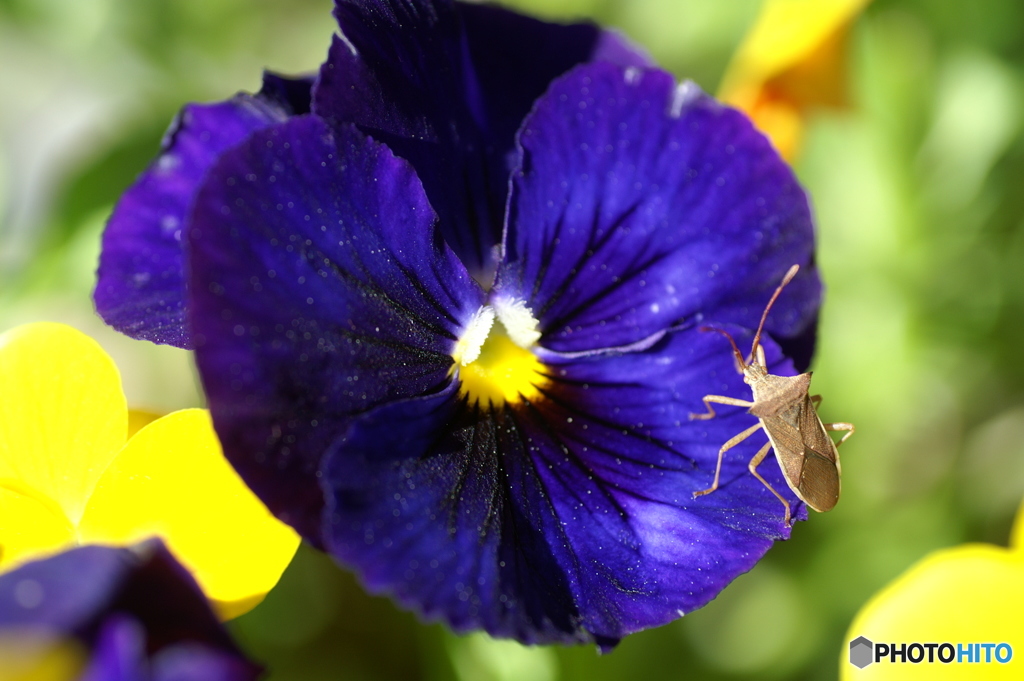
x=320 y=289
x=330 y=236
x=140 y=287
x=641 y=204
x=562 y=519
x=445 y=86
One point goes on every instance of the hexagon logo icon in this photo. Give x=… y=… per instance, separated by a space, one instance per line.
x=861 y=651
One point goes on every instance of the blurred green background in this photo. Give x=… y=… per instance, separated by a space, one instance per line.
x=918 y=194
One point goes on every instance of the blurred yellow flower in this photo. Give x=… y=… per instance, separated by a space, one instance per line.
x=793 y=60
x=964 y=595
x=69 y=474
x=40 y=656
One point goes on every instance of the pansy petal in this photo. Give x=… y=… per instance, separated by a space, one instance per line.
x=293 y=94
x=73 y=589
x=139 y=419
x=421 y=506
x=640 y=205
x=120 y=653
x=196 y=662
x=793 y=60
x=402 y=73
x=786 y=33
x=78 y=584
x=620 y=460
x=86 y=592
x=515 y=58
x=30 y=526
x=63 y=415
x=320 y=288
x=967 y=594
x=567 y=518
x=140 y=288
x=405 y=73
x=178 y=485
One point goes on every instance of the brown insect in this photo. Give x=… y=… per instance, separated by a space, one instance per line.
x=808 y=456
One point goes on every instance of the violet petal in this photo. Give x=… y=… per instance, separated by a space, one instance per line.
x=566 y=518
x=320 y=288
x=640 y=205
x=140 y=288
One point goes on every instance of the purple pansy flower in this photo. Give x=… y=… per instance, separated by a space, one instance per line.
x=448 y=321
x=137 y=612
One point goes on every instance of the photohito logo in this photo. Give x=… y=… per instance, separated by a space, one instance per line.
x=863 y=652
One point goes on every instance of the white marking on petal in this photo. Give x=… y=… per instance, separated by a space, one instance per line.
x=633 y=75
x=518 y=321
x=348 y=44
x=467 y=349
x=167 y=163
x=169 y=223
x=684 y=95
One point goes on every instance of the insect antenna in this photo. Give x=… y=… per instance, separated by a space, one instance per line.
x=764 y=316
x=735 y=350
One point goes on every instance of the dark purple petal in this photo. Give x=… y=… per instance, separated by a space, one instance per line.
x=197 y=662
x=120 y=652
x=66 y=592
x=119 y=602
x=320 y=288
x=629 y=459
x=516 y=57
x=421 y=504
x=293 y=95
x=641 y=205
x=140 y=287
x=566 y=519
x=120 y=655
x=404 y=72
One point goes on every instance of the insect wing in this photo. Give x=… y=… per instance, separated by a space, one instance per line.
x=806 y=454
x=819 y=481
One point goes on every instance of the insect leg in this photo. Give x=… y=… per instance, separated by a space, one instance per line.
x=816 y=400
x=752 y=466
x=848 y=427
x=733 y=441
x=718 y=399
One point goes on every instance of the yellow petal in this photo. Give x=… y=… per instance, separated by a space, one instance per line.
x=172 y=480
x=788 y=32
x=969 y=594
x=31 y=525
x=63 y=415
x=139 y=419
x=782 y=122
x=794 y=58
x=1017 y=534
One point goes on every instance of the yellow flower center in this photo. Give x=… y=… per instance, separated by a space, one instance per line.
x=495 y=369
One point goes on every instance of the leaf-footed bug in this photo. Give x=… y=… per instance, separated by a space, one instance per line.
x=808 y=457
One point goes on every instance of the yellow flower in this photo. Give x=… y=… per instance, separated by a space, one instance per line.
x=69 y=474
x=793 y=60
x=968 y=594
